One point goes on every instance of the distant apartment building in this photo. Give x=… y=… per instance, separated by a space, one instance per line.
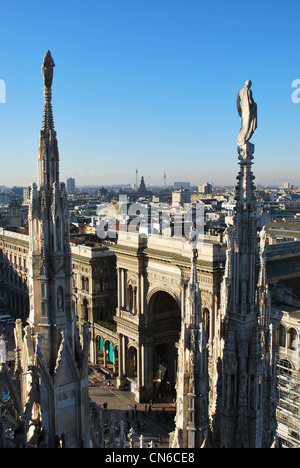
x=14 y=254
x=4 y=198
x=181 y=196
x=71 y=187
x=205 y=189
x=26 y=195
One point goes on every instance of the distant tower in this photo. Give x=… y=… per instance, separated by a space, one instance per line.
x=192 y=386
x=142 y=184
x=244 y=348
x=136 y=179
x=71 y=186
x=165 y=180
x=53 y=363
x=142 y=188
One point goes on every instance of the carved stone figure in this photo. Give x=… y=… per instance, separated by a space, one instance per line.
x=47 y=69
x=60 y=299
x=130 y=437
x=193 y=237
x=229 y=242
x=2 y=351
x=247 y=110
x=263 y=240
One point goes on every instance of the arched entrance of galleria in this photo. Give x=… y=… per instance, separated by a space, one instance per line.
x=148 y=359
x=165 y=315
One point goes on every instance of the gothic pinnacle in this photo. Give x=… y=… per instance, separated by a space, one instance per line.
x=48 y=149
x=47 y=72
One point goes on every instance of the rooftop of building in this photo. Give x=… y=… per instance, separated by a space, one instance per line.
x=291 y=312
x=285 y=228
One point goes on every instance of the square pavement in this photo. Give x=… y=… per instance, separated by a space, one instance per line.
x=155 y=425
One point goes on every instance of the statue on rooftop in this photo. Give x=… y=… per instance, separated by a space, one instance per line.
x=47 y=69
x=247 y=110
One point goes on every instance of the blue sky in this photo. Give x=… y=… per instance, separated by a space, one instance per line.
x=152 y=85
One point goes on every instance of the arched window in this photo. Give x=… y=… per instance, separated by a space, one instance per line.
x=292 y=339
x=281 y=336
x=85 y=310
x=129 y=298
x=109 y=352
x=132 y=362
x=85 y=284
x=206 y=322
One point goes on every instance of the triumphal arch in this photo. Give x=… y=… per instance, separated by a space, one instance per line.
x=153 y=273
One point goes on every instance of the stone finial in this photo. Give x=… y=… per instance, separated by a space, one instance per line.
x=47 y=70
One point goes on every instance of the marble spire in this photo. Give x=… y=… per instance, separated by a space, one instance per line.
x=192 y=372
x=52 y=361
x=244 y=347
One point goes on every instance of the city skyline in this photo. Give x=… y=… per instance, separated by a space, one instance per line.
x=150 y=86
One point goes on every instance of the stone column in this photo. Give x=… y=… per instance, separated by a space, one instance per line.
x=138 y=296
x=122 y=289
x=139 y=374
x=122 y=362
x=119 y=288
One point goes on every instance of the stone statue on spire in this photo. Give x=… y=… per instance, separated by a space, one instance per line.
x=247 y=110
x=47 y=69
